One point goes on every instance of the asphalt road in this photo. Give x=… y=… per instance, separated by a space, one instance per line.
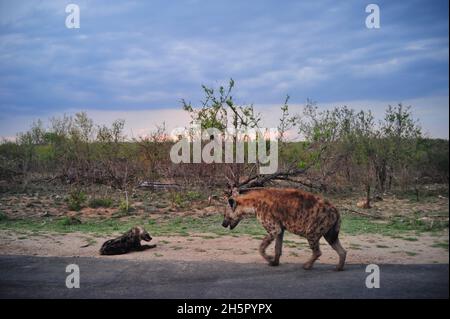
x=45 y=277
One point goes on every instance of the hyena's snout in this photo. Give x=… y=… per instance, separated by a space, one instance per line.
x=230 y=222
x=226 y=222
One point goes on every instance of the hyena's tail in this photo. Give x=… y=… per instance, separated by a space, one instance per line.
x=333 y=233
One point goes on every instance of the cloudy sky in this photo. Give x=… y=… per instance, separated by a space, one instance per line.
x=137 y=59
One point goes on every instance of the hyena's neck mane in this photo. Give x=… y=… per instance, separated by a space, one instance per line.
x=256 y=200
x=264 y=199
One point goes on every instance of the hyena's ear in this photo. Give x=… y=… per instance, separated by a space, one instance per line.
x=136 y=231
x=232 y=203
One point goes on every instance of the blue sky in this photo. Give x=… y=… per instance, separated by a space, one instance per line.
x=136 y=59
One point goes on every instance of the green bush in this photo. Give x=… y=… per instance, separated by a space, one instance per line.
x=125 y=208
x=100 y=202
x=182 y=199
x=176 y=198
x=193 y=195
x=76 y=200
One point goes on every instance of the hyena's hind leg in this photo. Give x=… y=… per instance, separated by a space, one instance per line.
x=314 y=244
x=332 y=237
x=277 y=234
x=113 y=247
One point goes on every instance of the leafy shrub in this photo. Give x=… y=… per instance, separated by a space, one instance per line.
x=100 y=202
x=76 y=200
x=176 y=198
x=193 y=195
x=125 y=207
x=182 y=199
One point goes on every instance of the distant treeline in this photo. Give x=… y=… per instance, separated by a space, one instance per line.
x=342 y=149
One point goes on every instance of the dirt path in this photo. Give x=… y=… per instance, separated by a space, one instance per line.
x=243 y=249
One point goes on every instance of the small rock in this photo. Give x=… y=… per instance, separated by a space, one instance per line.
x=45 y=214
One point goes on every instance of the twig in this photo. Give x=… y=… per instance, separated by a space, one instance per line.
x=361 y=213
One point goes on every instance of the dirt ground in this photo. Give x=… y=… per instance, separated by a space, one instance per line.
x=244 y=249
x=52 y=202
x=367 y=248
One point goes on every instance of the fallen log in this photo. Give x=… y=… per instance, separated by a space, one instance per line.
x=158 y=185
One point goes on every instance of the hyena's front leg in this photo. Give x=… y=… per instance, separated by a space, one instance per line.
x=314 y=244
x=138 y=247
x=264 y=244
x=145 y=247
x=274 y=233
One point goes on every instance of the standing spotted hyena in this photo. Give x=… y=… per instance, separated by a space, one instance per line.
x=297 y=211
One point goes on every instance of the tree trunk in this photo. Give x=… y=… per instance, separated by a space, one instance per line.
x=368 y=195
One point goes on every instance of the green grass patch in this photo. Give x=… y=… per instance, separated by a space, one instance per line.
x=395 y=227
x=180 y=226
x=441 y=244
x=425 y=195
x=184 y=226
x=208 y=237
x=410 y=253
x=410 y=238
x=396 y=237
x=68 y=221
x=3 y=216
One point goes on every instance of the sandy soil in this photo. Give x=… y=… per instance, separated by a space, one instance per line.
x=243 y=249
x=393 y=206
x=208 y=247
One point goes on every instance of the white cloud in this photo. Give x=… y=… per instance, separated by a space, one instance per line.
x=377 y=68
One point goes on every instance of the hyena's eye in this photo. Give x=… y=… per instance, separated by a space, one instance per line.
x=232 y=203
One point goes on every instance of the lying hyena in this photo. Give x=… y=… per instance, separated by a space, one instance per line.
x=297 y=211
x=130 y=241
